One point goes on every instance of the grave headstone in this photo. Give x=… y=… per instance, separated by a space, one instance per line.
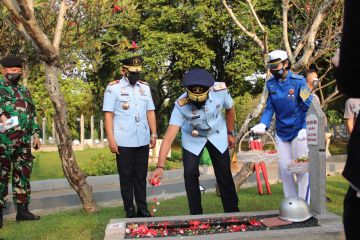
x=102 y=131
x=82 y=126
x=315 y=121
x=44 y=131
x=92 y=128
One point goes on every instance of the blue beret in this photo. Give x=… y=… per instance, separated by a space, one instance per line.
x=198 y=77
x=12 y=61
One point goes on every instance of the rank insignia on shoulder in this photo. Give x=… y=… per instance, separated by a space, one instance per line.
x=114 y=82
x=305 y=93
x=143 y=82
x=183 y=101
x=219 y=86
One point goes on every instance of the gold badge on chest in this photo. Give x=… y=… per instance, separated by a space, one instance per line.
x=194 y=133
x=125 y=106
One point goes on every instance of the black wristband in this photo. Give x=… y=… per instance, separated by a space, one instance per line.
x=160 y=167
x=232 y=133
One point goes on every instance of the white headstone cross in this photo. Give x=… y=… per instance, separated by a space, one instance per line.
x=44 y=131
x=315 y=124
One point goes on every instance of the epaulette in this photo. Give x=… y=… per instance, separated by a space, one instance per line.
x=182 y=101
x=143 y=82
x=219 y=86
x=296 y=76
x=114 y=82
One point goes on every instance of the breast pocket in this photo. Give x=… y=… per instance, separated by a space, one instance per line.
x=143 y=100
x=123 y=104
x=216 y=110
x=124 y=98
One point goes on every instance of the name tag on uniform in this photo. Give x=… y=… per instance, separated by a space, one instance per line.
x=124 y=94
x=195 y=117
x=10 y=123
x=272 y=92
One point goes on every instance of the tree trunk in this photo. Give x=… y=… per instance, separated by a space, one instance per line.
x=246 y=171
x=73 y=173
x=248 y=168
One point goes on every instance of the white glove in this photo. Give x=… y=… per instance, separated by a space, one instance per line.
x=259 y=128
x=302 y=135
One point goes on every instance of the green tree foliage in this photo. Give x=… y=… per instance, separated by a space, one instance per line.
x=172 y=36
x=77 y=94
x=243 y=105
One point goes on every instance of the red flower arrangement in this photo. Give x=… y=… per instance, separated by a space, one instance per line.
x=192 y=227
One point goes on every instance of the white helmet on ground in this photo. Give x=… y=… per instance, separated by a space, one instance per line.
x=294 y=209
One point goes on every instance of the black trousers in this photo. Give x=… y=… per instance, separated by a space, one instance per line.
x=132 y=165
x=221 y=164
x=352 y=215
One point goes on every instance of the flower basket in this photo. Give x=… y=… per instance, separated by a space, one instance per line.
x=257 y=156
x=300 y=165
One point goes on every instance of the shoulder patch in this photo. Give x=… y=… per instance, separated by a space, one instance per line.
x=220 y=86
x=143 y=82
x=114 y=82
x=305 y=93
x=182 y=101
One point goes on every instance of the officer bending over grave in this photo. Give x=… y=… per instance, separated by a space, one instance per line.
x=198 y=112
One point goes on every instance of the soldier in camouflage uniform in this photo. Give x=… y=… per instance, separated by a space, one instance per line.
x=15 y=141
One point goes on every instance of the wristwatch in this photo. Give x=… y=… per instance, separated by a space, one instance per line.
x=232 y=133
x=154 y=135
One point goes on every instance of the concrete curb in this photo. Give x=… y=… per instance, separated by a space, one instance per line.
x=330 y=228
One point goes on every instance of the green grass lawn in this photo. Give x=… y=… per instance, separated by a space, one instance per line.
x=78 y=225
x=338 y=146
x=47 y=165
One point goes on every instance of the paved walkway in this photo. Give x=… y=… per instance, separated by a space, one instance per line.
x=56 y=195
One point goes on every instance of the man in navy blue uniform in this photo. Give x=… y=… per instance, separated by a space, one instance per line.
x=198 y=112
x=289 y=98
x=130 y=126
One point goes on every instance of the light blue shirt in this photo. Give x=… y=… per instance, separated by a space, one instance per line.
x=131 y=128
x=209 y=121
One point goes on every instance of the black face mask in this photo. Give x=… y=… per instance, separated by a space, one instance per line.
x=199 y=105
x=278 y=73
x=14 y=78
x=133 y=77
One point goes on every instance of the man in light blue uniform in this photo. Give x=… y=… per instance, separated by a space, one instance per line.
x=198 y=113
x=289 y=98
x=129 y=119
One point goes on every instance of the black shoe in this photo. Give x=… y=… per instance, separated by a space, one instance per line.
x=143 y=213
x=23 y=214
x=130 y=212
x=1 y=217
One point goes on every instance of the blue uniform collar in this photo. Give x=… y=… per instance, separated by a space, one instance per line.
x=287 y=79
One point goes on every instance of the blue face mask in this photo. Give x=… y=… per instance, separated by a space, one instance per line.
x=278 y=73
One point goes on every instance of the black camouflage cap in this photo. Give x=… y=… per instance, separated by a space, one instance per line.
x=12 y=61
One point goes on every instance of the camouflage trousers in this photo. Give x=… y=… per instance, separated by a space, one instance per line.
x=18 y=159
